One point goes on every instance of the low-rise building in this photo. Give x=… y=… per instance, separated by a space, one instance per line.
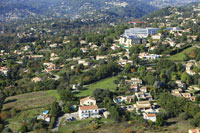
x=44 y=116
x=4 y=70
x=142 y=105
x=36 y=79
x=149 y=117
x=88 y=112
x=88 y=101
x=197 y=130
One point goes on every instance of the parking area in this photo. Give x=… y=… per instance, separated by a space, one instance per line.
x=71 y=116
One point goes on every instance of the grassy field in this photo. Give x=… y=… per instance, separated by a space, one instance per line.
x=103 y=84
x=74 y=126
x=81 y=125
x=175 y=125
x=53 y=93
x=29 y=105
x=180 y=56
x=28 y=101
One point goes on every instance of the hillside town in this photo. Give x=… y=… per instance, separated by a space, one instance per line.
x=141 y=76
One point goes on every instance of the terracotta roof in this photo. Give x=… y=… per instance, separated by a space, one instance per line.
x=3 y=68
x=151 y=115
x=85 y=99
x=195 y=130
x=88 y=107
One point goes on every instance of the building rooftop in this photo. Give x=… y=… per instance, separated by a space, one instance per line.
x=88 y=107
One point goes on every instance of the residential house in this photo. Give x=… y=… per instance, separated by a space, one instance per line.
x=134 y=88
x=197 y=130
x=50 y=66
x=88 y=101
x=44 y=116
x=98 y=57
x=142 y=105
x=4 y=70
x=124 y=62
x=121 y=99
x=54 y=57
x=189 y=67
x=83 y=42
x=84 y=62
x=115 y=47
x=84 y=50
x=147 y=56
x=180 y=84
x=186 y=95
x=106 y=114
x=36 y=79
x=88 y=112
x=25 y=48
x=134 y=81
x=143 y=96
x=75 y=86
x=149 y=117
x=143 y=89
x=156 y=37
x=53 y=45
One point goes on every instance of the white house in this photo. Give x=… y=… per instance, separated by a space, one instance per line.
x=88 y=101
x=197 y=130
x=150 y=117
x=4 y=70
x=84 y=62
x=88 y=112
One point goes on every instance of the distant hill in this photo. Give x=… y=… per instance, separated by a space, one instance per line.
x=165 y=3
x=95 y=9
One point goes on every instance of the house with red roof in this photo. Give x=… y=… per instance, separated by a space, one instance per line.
x=85 y=112
x=150 y=117
x=197 y=130
x=88 y=101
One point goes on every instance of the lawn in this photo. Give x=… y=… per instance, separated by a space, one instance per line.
x=53 y=93
x=102 y=84
x=180 y=56
x=74 y=126
x=81 y=125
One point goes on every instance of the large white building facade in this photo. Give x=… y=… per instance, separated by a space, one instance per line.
x=134 y=36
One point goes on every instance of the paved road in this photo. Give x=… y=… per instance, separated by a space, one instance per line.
x=55 y=129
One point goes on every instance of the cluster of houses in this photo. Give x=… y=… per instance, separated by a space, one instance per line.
x=182 y=91
x=144 y=102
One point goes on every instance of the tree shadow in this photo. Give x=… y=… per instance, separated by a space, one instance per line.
x=170 y=123
x=10 y=101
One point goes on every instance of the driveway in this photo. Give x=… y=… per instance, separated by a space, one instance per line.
x=65 y=116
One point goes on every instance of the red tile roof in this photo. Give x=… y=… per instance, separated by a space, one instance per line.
x=85 y=99
x=151 y=115
x=195 y=130
x=88 y=107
